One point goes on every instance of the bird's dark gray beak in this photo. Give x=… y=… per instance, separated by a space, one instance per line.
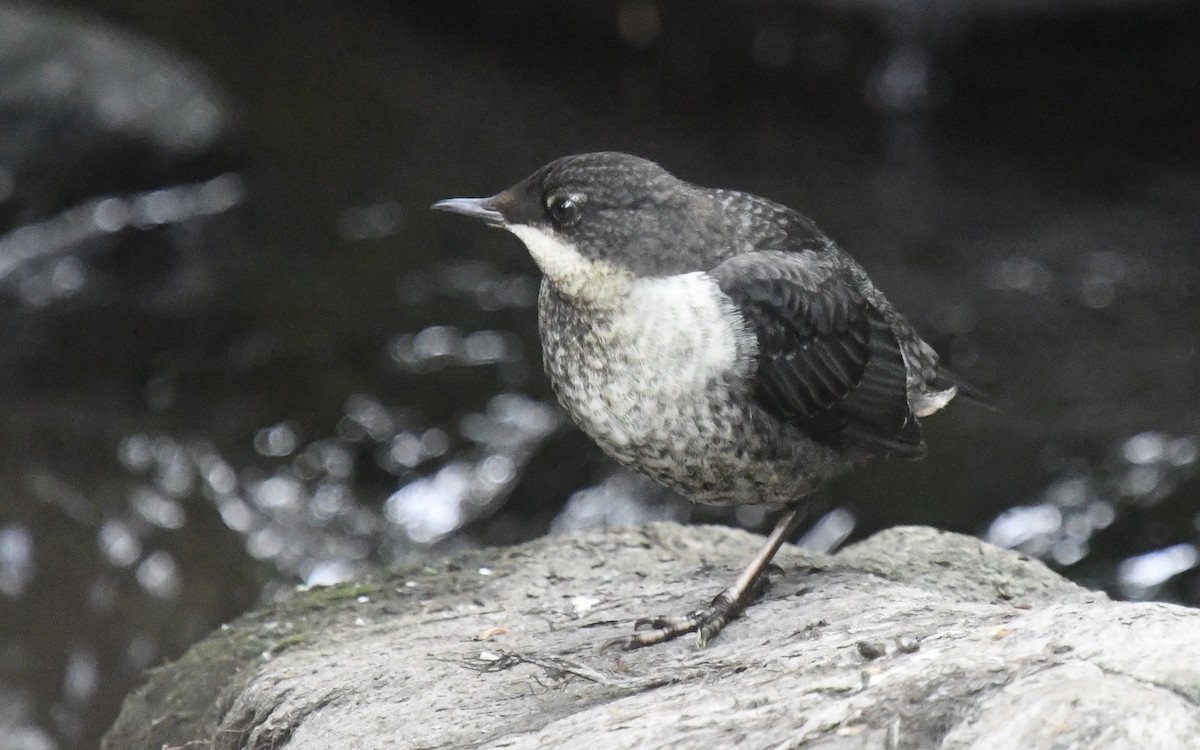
x=477 y=208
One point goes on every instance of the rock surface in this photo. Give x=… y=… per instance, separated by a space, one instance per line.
x=911 y=639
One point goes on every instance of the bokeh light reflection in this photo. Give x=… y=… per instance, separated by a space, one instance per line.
x=1085 y=499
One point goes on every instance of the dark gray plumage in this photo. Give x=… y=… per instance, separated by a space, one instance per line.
x=716 y=341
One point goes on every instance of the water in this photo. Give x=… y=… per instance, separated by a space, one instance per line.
x=256 y=360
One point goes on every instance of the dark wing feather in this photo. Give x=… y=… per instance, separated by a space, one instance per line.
x=828 y=360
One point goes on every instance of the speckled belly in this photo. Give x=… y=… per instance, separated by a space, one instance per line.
x=668 y=397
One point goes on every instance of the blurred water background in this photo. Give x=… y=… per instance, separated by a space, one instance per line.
x=238 y=354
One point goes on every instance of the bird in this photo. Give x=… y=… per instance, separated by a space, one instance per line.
x=715 y=341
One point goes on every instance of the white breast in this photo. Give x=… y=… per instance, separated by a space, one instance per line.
x=649 y=372
x=687 y=329
x=636 y=361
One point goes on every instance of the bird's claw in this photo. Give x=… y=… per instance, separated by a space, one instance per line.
x=684 y=623
x=708 y=621
x=705 y=623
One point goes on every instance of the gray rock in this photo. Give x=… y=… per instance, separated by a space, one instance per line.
x=911 y=639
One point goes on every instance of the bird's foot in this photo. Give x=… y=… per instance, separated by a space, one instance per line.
x=705 y=622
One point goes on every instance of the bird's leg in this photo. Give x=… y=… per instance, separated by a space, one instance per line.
x=706 y=622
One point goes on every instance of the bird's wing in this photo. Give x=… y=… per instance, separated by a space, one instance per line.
x=829 y=362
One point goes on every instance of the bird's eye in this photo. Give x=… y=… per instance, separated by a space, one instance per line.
x=564 y=210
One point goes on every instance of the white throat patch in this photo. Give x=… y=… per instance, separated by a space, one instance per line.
x=578 y=278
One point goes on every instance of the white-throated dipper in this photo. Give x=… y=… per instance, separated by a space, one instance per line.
x=714 y=341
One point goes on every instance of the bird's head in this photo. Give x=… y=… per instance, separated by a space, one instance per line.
x=590 y=217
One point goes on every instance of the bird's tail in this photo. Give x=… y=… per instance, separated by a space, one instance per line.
x=947 y=379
